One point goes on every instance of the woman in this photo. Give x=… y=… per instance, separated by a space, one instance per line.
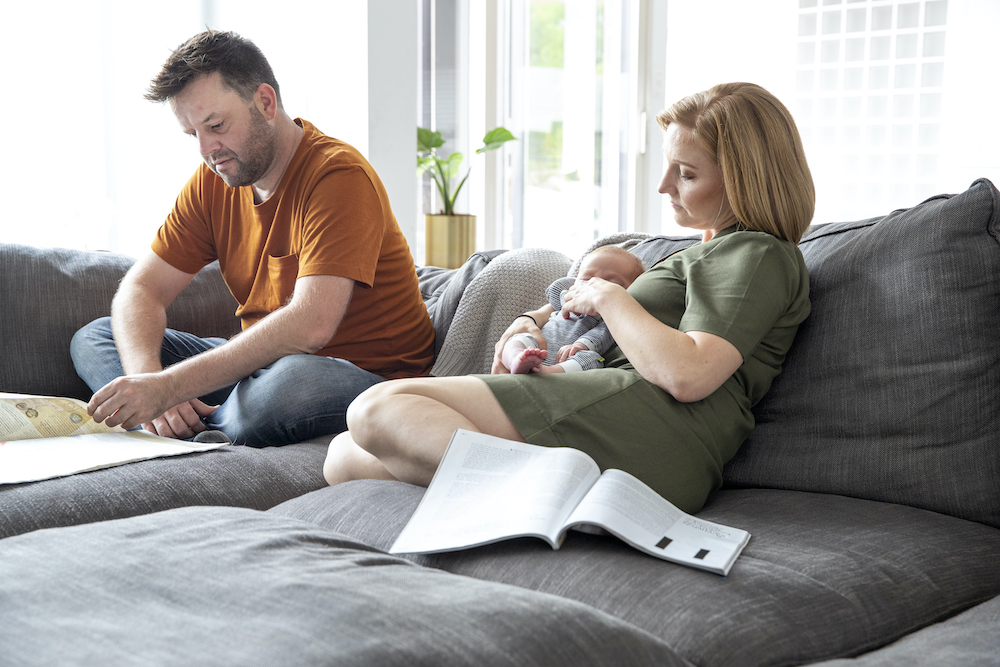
x=699 y=337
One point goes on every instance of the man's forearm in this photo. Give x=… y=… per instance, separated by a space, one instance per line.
x=304 y=326
x=138 y=324
x=278 y=335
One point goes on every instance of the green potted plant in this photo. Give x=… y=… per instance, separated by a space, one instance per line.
x=450 y=237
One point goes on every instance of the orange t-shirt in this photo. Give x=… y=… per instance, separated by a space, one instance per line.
x=329 y=215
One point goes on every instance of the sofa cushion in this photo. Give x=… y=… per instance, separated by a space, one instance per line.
x=223 y=586
x=823 y=576
x=891 y=391
x=234 y=476
x=968 y=639
x=49 y=293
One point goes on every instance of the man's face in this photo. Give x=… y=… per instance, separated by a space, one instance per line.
x=234 y=138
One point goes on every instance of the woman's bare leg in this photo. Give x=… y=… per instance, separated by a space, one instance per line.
x=400 y=429
x=346 y=461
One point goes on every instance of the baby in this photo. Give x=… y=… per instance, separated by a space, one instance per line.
x=577 y=343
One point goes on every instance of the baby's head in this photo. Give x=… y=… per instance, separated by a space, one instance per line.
x=611 y=263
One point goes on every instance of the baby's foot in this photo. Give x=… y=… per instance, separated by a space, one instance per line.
x=528 y=359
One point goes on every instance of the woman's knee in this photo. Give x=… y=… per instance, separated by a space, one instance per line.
x=372 y=406
x=336 y=464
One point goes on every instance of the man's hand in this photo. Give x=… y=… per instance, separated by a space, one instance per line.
x=182 y=421
x=146 y=399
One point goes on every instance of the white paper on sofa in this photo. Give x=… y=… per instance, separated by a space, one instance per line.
x=43 y=437
x=489 y=489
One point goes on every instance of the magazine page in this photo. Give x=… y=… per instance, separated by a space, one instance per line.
x=488 y=489
x=23 y=417
x=622 y=505
x=44 y=458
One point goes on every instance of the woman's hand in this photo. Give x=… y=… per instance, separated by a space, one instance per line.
x=522 y=325
x=585 y=296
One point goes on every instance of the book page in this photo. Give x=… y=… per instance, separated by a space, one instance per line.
x=44 y=458
x=630 y=510
x=23 y=417
x=487 y=489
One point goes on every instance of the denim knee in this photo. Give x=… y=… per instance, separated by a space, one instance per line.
x=296 y=398
x=94 y=354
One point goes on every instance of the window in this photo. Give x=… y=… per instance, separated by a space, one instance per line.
x=889 y=95
x=562 y=78
x=571 y=100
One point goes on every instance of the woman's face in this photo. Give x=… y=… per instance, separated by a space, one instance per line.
x=693 y=181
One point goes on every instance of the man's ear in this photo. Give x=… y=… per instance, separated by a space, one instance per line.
x=267 y=101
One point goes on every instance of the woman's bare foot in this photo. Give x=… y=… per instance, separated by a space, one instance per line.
x=527 y=360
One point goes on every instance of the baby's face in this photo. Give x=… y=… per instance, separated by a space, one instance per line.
x=612 y=268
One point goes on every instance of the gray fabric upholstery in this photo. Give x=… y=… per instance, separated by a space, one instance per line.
x=823 y=576
x=49 y=293
x=219 y=586
x=892 y=389
x=231 y=476
x=511 y=284
x=969 y=640
x=889 y=394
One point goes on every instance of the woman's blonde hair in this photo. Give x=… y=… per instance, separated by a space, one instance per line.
x=752 y=137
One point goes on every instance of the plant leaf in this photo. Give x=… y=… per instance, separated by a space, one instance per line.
x=425 y=164
x=495 y=138
x=427 y=140
x=452 y=165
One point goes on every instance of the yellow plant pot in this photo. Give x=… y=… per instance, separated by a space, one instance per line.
x=449 y=240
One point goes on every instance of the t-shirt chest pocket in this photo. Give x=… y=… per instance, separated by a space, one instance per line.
x=282 y=273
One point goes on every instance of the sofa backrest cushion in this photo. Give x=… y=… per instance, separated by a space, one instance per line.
x=49 y=293
x=891 y=390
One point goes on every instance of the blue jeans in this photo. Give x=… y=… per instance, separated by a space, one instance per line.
x=296 y=398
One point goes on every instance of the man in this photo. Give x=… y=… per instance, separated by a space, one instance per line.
x=307 y=243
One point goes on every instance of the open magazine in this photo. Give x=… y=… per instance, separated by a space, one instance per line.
x=44 y=436
x=489 y=489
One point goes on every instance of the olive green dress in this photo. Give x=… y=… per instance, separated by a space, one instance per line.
x=751 y=289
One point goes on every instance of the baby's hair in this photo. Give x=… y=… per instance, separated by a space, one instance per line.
x=638 y=266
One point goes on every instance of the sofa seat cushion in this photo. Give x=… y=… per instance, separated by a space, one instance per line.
x=891 y=390
x=822 y=577
x=226 y=586
x=969 y=640
x=233 y=476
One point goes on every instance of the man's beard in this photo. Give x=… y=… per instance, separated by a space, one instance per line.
x=258 y=154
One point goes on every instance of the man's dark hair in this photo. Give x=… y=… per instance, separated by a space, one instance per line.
x=242 y=65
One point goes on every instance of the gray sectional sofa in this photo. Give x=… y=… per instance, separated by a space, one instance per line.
x=871 y=488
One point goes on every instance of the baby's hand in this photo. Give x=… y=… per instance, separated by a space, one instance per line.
x=567 y=351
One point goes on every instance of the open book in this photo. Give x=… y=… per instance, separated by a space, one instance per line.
x=489 y=489
x=44 y=436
